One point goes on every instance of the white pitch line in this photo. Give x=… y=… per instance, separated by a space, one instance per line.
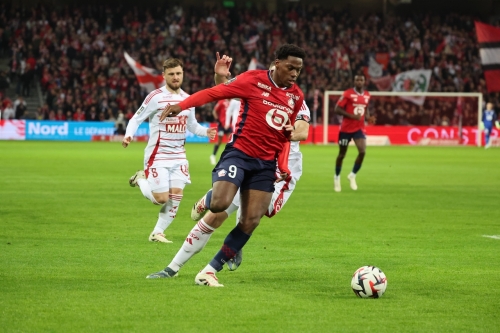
x=492 y=236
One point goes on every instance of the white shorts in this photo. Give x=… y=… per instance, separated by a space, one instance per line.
x=161 y=179
x=282 y=191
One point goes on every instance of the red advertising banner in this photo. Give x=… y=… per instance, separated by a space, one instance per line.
x=376 y=135
x=409 y=135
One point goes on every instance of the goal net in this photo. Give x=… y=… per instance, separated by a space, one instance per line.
x=460 y=112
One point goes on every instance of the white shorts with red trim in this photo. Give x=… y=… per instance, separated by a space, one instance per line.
x=282 y=191
x=161 y=179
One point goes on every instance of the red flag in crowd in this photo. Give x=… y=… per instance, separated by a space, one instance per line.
x=147 y=77
x=383 y=83
x=488 y=38
x=251 y=44
x=343 y=63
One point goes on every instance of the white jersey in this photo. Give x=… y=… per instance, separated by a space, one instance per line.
x=165 y=147
x=304 y=114
x=232 y=112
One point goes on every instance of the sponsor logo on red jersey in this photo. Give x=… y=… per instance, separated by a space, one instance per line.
x=263 y=86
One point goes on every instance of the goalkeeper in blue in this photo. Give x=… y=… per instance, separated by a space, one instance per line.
x=489 y=119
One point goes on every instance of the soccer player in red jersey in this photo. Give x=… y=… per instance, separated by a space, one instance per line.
x=353 y=106
x=223 y=125
x=201 y=232
x=270 y=103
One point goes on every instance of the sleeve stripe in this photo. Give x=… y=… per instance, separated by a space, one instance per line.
x=151 y=95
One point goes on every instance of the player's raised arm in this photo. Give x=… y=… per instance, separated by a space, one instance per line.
x=221 y=68
x=232 y=88
x=200 y=98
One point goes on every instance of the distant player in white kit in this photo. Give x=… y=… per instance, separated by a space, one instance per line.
x=166 y=169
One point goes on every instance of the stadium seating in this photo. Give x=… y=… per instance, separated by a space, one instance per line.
x=78 y=51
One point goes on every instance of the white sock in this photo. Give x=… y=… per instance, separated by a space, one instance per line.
x=146 y=190
x=195 y=241
x=208 y=269
x=352 y=174
x=167 y=213
x=337 y=177
x=238 y=215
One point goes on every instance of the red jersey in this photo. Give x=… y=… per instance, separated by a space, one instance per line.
x=113 y=83
x=354 y=103
x=221 y=108
x=265 y=110
x=79 y=116
x=123 y=84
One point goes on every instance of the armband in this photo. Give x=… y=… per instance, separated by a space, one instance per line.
x=303 y=117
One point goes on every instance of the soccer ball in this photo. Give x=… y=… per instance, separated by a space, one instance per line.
x=369 y=281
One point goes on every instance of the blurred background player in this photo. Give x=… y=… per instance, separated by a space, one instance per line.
x=199 y=236
x=489 y=118
x=223 y=117
x=166 y=169
x=271 y=102
x=353 y=106
x=233 y=110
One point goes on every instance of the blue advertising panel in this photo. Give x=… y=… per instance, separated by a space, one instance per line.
x=84 y=130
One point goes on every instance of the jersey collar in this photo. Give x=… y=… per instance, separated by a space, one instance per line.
x=272 y=81
x=359 y=93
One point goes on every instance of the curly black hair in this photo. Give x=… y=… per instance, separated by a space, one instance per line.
x=286 y=50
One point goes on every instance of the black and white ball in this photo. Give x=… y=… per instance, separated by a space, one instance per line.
x=369 y=282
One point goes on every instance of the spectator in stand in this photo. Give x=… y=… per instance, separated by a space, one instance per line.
x=92 y=115
x=4 y=82
x=21 y=71
x=113 y=85
x=120 y=123
x=60 y=115
x=129 y=114
x=79 y=115
x=42 y=112
x=20 y=110
x=87 y=57
x=50 y=98
x=109 y=115
x=8 y=111
x=26 y=80
x=19 y=101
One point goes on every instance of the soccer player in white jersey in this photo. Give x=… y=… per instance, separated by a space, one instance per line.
x=166 y=169
x=199 y=236
x=232 y=111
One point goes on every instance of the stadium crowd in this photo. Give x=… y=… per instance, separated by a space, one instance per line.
x=76 y=54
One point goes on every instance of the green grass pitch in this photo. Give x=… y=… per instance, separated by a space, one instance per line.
x=74 y=250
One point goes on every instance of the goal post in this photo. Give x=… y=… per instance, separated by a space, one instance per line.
x=330 y=93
